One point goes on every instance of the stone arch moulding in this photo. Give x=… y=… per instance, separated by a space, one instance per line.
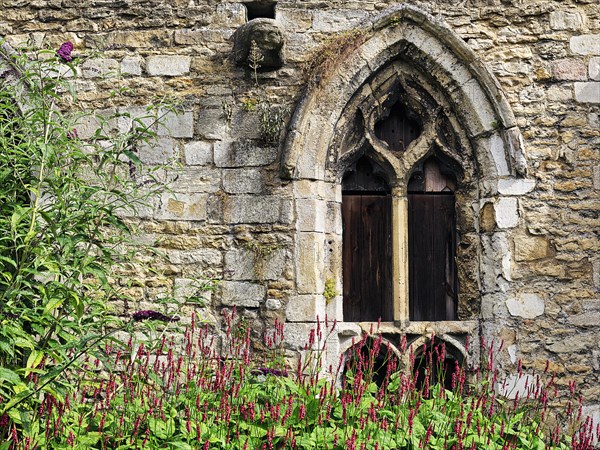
x=485 y=112
x=403 y=38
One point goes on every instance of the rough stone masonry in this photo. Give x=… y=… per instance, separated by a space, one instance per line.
x=260 y=149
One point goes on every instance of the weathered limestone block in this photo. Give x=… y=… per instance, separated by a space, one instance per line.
x=195 y=179
x=515 y=186
x=243 y=154
x=305 y=308
x=183 y=206
x=296 y=335
x=586 y=44
x=100 y=68
x=340 y=20
x=571 y=344
x=588 y=319
x=257 y=209
x=186 y=289
x=202 y=36
x=530 y=248
x=178 y=125
x=526 y=305
x=507 y=215
x=168 y=65
x=594 y=68
x=273 y=304
x=587 y=92
x=495 y=248
x=493 y=145
x=241 y=293
x=294 y=19
x=211 y=124
x=310 y=263
x=515 y=385
x=247 y=264
x=160 y=151
x=205 y=257
x=131 y=66
x=231 y=14
x=311 y=215
x=198 y=153
x=242 y=181
x=569 y=69
x=487 y=218
x=268 y=39
x=566 y=20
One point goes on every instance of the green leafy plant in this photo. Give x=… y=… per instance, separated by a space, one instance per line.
x=64 y=204
x=330 y=292
x=271 y=119
x=186 y=392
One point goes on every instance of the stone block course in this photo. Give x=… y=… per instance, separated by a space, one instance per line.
x=594 y=68
x=162 y=151
x=566 y=20
x=183 y=206
x=585 y=44
x=569 y=69
x=587 y=92
x=100 y=68
x=176 y=124
x=243 y=154
x=242 y=181
x=242 y=294
x=198 y=153
x=168 y=65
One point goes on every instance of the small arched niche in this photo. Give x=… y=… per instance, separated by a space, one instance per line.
x=439 y=361
x=432 y=236
x=367 y=249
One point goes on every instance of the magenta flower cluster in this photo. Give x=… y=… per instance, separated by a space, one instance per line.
x=64 y=52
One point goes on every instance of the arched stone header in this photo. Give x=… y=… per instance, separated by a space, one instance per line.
x=411 y=36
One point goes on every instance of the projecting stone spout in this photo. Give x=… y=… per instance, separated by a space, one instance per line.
x=269 y=44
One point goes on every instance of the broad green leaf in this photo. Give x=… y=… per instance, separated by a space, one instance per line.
x=9 y=375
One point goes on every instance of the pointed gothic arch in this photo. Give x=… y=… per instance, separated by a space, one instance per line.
x=410 y=70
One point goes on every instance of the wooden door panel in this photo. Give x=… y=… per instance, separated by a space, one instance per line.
x=431 y=250
x=367 y=259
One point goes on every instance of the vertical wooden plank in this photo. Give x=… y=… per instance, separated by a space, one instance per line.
x=432 y=272
x=367 y=263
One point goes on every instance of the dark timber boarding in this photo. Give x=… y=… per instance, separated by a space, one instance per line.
x=431 y=253
x=367 y=258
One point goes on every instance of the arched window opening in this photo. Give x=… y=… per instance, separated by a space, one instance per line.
x=433 y=281
x=398 y=129
x=367 y=249
x=374 y=357
x=438 y=361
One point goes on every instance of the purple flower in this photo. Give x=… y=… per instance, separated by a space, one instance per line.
x=64 y=52
x=72 y=134
x=147 y=314
x=268 y=371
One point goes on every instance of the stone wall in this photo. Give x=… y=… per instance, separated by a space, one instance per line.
x=230 y=215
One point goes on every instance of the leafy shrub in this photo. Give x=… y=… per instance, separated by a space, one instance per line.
x=63 y=203
x=198 y=393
